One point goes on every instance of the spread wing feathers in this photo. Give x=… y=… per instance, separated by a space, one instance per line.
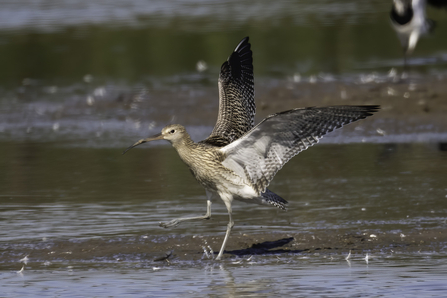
x=262 y=152
x=269 y=197
x=236 y=97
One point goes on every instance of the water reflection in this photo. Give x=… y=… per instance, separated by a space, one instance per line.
x=50 y=192
x=400 y=275
x=305 y=37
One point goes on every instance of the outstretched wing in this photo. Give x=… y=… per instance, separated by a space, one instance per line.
x=263 y=151
x=236 y=97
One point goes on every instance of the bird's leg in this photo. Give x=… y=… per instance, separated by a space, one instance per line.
x=227 y=235
x=405 y=63
x=176 y=221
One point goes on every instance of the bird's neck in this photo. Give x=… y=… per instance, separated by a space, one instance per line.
x=190 y=153
x=184 y=145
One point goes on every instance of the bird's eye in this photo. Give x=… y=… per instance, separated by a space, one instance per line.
x=172 y=131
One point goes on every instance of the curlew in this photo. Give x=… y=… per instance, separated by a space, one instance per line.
x=238 y=160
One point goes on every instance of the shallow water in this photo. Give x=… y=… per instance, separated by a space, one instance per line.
x=383 y=276
x=70 y=195
x=53 y=192
x=92 y=73
x=82 y=80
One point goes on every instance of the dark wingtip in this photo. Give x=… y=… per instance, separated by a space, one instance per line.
x=243 y=49
x=370 y=109
x=242 y=43
x=241 y=60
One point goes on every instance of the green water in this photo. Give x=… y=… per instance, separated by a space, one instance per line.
x=305 y=37
x=82 y=80
x=53 y=194
x=366 y=186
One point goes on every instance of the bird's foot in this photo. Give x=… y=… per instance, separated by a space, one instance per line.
x=169 y=224
x=208 y=252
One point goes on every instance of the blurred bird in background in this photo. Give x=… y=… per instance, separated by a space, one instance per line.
x=409 y=20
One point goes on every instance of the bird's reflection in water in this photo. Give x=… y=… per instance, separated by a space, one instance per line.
x=223 y=282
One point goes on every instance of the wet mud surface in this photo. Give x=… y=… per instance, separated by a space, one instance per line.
x=411 y=106
x=171 y=249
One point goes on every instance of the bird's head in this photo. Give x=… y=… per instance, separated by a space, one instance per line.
x=172 y=133
x=402 y=7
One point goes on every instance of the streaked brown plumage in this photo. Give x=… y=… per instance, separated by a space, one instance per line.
x=236 y=97
x=238 y=161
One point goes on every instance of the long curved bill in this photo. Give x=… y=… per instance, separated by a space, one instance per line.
x=158 y=136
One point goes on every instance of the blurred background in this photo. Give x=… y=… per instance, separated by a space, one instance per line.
x=81 y=80
x=79 y=70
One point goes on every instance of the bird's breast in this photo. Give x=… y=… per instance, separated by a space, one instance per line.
x=205 y=165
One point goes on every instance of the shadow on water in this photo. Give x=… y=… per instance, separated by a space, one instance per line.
x=265 y=248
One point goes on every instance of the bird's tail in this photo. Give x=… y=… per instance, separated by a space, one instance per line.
x=269 y=197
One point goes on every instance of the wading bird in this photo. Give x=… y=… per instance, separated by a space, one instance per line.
x=238 y=160
x=410 y=22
